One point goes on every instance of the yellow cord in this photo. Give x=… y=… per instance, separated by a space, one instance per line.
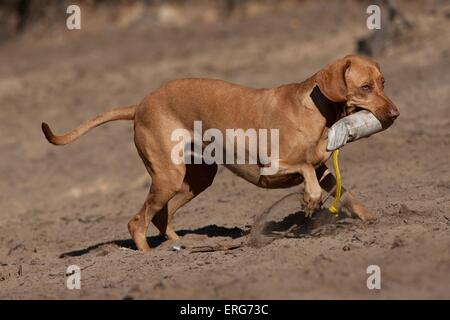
x=337 y=198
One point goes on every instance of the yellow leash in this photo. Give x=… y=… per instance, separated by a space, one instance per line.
x=337 y=198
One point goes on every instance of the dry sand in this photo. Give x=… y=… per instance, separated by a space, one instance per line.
x=71 y=205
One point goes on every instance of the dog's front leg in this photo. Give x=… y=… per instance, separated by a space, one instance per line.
x=313 y=192
x=348 y=201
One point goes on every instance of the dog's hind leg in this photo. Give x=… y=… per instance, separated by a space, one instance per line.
x=198 y=178
x=327 y=181
x=163 y=188
x=167 y=181
x=161 y=218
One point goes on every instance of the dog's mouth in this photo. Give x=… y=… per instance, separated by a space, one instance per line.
x=354 y=109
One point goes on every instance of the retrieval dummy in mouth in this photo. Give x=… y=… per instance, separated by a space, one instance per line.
x=358 y=125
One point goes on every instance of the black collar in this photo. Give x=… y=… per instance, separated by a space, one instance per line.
x=330 y=110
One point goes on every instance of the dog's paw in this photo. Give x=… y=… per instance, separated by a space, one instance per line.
x=356 y=209
x=310 y=204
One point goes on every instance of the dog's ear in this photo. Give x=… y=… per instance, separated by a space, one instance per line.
x=331 y=80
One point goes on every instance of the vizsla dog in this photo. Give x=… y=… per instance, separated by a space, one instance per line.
x=302 y=112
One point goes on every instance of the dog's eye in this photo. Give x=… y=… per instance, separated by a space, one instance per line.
x=366 y=88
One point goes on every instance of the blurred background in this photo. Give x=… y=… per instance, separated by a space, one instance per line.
x=70 y=205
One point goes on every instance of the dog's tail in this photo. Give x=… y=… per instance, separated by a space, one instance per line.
x=122 y=113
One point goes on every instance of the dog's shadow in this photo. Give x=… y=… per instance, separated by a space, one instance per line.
x=299 y=225
x=296 y=223
x=154 y=241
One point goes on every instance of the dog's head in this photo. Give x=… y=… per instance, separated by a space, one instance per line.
x=358 y=82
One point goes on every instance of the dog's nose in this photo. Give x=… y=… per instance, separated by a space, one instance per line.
x=393 y=113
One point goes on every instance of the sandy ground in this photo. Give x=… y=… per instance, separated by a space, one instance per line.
x=71 y=205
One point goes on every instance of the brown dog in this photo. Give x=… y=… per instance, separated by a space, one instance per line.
x=302 y=112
